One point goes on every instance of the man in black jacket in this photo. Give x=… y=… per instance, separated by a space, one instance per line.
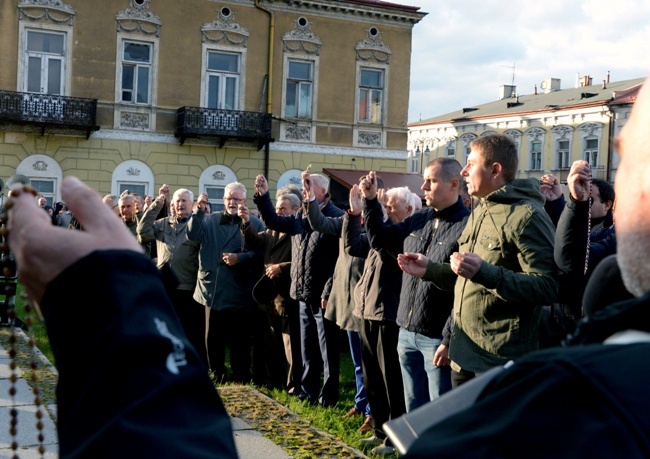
x=313 y=257
x=423 y=307
x=131 y=385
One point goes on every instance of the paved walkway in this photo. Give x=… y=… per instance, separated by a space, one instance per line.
x=250 y=443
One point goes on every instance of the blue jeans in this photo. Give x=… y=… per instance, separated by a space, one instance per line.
x=360 y=399
x=423 y=381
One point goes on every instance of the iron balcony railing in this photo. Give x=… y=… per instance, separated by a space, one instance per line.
x=47 y=110
x=195 y=122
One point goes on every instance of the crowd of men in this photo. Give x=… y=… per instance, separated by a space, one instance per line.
x=430 y=298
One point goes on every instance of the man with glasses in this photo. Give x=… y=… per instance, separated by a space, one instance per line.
x=227 y=273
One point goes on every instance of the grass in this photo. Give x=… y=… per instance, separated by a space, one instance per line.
x=300 y=437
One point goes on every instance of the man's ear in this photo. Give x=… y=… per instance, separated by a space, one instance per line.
x=454 y=183
x=496 y=170
x=609 y=204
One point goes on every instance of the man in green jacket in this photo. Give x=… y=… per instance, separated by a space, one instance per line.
x=503 y=271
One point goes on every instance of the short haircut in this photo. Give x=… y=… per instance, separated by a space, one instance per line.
x=498 y=148
x=181 y=191
x=289 y=189
x=126 y=198
x=233 y=187
x=321 y=181
x=449 y=167
x=605 y=189
x=294 y=201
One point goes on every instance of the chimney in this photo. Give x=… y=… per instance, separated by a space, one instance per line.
x=506 y=91
x=550 y=85
x=607 y=77
x=535 y=89
x=604 y=84
x=585 y=81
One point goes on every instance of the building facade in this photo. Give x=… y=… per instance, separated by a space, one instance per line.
x=131 y=94
x=551 y=128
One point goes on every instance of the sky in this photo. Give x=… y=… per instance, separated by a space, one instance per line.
x=464 y=50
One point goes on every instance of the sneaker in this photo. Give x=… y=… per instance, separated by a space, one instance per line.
x=367 y=425
x=383 y=450
x=371 y=441
x=353 y=412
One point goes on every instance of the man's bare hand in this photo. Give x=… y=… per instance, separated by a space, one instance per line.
x=414 y=264
x=43 y=250
x=273 y=271
x=579 y=180
x=231 y=259
x=369 y=185
x=306 y=183
x=202 y=202
x=550 y=187
x=261 y=185
x=243 y=213
x=164 y=190
x=356 y=200
x=441 y=357
x=465 y=264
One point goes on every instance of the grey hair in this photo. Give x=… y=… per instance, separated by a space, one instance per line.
x=115 y=199
x=233 y=187
x=292 y=189
x=292 y=198
x=321 y=180
x=416 y=202
x=181 y=191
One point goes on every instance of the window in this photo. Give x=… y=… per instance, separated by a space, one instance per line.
x=300 y=79
x=136 y=72
x=215 y=198
x=371 y=91
x=46 y=188
x=563 y=154
x=536 y=155
x=222 y=79
x=591 y=152
x=44 y=62
x=133 y=187
x=451 y=150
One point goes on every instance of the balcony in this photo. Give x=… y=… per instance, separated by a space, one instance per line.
x=197 y=122
x=49 y=111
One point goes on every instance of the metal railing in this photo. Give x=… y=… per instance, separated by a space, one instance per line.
x=193 y=122
x=47 y=110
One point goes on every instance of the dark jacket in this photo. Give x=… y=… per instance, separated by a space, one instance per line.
x=313 y=254
x=221 y=286
x=377 y=292
x=423 y=306
x=562 y=403
x=130 y=385
x=276 y=248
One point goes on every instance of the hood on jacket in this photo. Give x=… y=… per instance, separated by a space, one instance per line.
x=518 y=190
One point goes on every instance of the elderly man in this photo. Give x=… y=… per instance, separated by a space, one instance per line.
x=313 y=256
x=127 y=212
x=227 y=273
x=423 y=306
x=181 y=255
x=503 y=270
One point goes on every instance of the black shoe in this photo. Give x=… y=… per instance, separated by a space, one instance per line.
x=303 y=397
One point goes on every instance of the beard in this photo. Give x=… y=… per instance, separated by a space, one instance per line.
x=633 y=251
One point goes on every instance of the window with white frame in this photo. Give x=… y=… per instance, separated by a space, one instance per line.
x=137 y=70
x=223 y=71
x=47 y=188
x=371 y=95
x=591 y=152
x=563 y=154
x=414 y=161
x=139 y=188
x=215 y=197
x=44 y=60
x=536 y=155
x=299 y=89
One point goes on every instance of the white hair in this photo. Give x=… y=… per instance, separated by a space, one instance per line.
x=416 y=202
x=233 y=187
x=181 y=191
x=321 y=181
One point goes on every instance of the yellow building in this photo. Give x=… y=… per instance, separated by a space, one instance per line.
x=131 y=94
x=552 y=127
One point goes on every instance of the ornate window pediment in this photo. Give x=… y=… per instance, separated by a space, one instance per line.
x=224 y=30
x=138 y=18
x=535 y=134
x=55 y=11
x=372 y=48
x=562 y=132
x=301 y=39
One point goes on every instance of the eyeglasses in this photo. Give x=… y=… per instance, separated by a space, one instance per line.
x=233 y=199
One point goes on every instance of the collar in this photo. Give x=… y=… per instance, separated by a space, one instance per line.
x=226 y=219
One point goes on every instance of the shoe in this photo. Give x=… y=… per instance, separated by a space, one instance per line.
x=383 y=450
x=303 y=397
x=371 y=441
x=353 y=412
x=367 y=426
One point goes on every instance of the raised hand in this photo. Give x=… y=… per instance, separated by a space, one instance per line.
x=261 y=185
x=579 y=180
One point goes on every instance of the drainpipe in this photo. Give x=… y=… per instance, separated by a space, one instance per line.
x=269 y=81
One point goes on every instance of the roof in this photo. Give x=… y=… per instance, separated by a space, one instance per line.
x=627 y=96
x=383 y=4
x=538 y=103
x=348 y=177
